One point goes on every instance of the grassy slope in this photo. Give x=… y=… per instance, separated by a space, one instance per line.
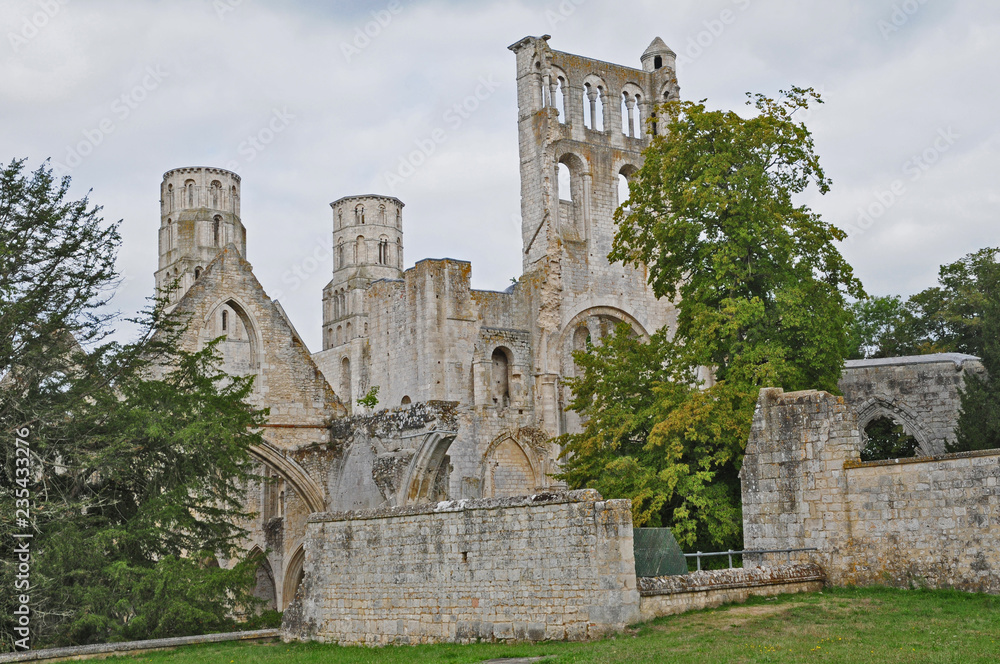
x=843 y=625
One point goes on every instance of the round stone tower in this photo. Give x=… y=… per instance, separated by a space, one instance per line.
x=367 y=246
x=199 y=216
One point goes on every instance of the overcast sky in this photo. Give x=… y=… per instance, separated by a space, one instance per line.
x=310 y=101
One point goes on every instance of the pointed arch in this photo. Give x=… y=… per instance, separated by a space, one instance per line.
x=509 y=468
x=876 y=407
x=294 y=574
x=428 y=464
x=295 y=475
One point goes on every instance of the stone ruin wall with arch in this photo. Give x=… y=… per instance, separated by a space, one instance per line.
x=925 y=521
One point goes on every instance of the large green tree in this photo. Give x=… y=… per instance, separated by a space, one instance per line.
x=139 y=452
x=761 y=297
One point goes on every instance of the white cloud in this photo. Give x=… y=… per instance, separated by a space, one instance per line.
x=354 y=118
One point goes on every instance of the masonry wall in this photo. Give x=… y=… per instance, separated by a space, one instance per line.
x=920 y=392
x=549 y=566
x=930 y=521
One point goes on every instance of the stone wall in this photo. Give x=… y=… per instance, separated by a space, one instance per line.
x=669 y=595
x=920 y=392
x=929 y=521
x=549 y=566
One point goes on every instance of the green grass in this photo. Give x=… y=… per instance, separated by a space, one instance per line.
x=842 y=625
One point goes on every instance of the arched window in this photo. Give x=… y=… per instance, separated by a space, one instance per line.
x=359 y=251
x=225 y=320
x=885 y=438
x=170 y=198
x=216 y=194
x=561 y=100
x=189 y=193
x=627 y=104
x=399 y=219
x=381 y=214
x=197 y=273
x=657 y=61
x=348 y=333
x=564 y=183
x=340 y=254
x=216 y=235
x=340 y=335
x=235 y=200
x=359 y=214
x=405 y=401
x=345 y=380
x=383 y=251
x=501 y=378
x=170 y=234
x=623 y=190
x=399 y=253
x=340 y=219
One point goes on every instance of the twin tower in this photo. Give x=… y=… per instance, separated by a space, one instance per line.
x=200 y=215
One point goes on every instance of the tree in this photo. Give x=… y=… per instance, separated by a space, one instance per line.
x=880 y=327
x=760 y=291
x=139 y=451
x=974 y=324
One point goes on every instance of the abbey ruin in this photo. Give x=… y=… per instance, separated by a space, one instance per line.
x=384 y=525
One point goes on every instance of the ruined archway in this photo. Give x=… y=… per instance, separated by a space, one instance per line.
x=426 y=478
x=305 y=486
x=509 y=469
x=265 y=588
x=294 y=573
x=876 y=407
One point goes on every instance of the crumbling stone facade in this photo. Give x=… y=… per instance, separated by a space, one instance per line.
x=928 y=521
x=471 y=383
x=920 y=392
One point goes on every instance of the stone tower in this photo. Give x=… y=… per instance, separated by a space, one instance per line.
x=589 y=119
x=589 y=116
x=199 y=216
x=367 y=246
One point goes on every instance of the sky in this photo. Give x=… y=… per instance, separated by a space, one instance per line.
x=310 y=101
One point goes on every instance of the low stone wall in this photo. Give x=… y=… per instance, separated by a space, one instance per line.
x=550 y=566
x=130 y=648
x=668 y=595
x=930 y=522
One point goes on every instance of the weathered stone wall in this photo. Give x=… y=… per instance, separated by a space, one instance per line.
x=668 y=595
x=551 y=566
x=920 y=392
x=932 y=521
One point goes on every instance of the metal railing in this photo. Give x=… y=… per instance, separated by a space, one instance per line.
x=699 y=555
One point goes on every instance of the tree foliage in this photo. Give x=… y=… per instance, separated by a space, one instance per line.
x=760 y=292
x=139 y=451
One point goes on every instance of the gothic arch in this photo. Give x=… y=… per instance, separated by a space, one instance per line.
x=293 y=576
x=266 y=588
x=566 y=336
x=305 y=486
x=249 y=324
x=509 y=468
x=428 y=463
x=876 y=407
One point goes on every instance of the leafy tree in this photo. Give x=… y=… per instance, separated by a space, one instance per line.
x=887 y=440
x=978 y=330
x=761 y=302
x=880 y=327
x=140 y=451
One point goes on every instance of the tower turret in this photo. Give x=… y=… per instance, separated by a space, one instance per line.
x=367 y=246
x=199 y=216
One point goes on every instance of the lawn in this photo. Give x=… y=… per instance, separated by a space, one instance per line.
x=841 y=625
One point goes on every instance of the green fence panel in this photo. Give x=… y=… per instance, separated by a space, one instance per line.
x=657 y=553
